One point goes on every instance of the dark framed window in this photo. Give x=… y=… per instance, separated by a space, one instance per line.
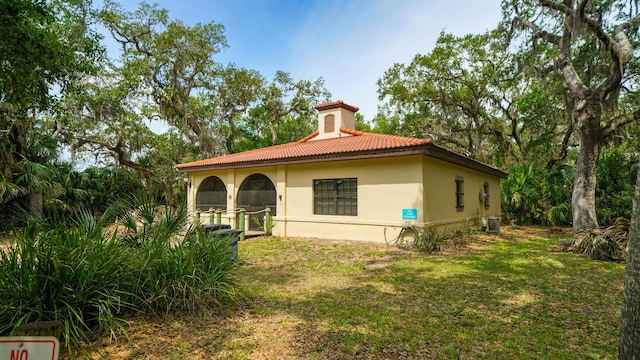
x=459 y=193
x=486 y=195
x=335 y=197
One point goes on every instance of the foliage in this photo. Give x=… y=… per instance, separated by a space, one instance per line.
x=614 y=190
x=447 y=94
x=467 y=95
x=429 y=239
x=80 y=279
x=287 y=99
x=91 y=280
x=45 y=45
x=533 y=196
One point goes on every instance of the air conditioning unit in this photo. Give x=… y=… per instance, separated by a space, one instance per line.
x=491 y=224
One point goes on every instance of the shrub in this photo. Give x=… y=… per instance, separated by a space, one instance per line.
x=428 y=239
x=78 y=278
x=193 y=274
x=90 y=279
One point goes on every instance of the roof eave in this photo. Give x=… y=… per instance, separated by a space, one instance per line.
x=424 y=149
x=443 y=154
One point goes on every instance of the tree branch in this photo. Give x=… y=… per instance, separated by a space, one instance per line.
x=538 y=33
x=620 y=121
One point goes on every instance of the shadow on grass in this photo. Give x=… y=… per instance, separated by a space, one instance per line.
x=512 y=300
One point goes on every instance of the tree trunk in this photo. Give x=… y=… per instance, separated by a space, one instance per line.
x=274 y=135
x=168 y=193
x=629 y=340
x=35 y=203
x=583 y=200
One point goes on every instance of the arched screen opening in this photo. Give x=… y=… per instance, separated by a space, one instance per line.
x=256 y=193
x=212 y=194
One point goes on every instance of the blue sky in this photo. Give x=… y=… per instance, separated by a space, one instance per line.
x=348 y=43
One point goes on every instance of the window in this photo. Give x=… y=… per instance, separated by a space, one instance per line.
x=335 y=197
x=486 y=195
x=459 y=193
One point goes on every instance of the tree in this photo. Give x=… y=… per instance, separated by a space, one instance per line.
x=284 y=96
x=447 y=94
x=175 y=61
x=467 y=94
x=45 y=45
x=593 y=46
x=629 y=340
x=103 y=119
x=228 y=98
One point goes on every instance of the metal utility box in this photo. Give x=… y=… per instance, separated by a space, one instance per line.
x=230 y=235
x=493 y=225
x=214 y=227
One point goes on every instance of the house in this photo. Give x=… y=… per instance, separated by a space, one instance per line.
x=339 y=183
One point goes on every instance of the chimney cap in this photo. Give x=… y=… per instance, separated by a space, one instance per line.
x=336 y=104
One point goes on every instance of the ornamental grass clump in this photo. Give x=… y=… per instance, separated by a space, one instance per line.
x=91 y=279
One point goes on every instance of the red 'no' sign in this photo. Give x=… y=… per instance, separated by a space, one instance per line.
x=29 y=348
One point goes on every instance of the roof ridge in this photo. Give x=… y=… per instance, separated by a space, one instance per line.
x=308 y=137
x=364 y=133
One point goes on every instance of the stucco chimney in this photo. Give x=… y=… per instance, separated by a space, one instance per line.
x=332 y=116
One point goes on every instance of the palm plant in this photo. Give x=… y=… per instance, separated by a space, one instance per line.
x=75 y=276
x=533 y=196
x=86 y=277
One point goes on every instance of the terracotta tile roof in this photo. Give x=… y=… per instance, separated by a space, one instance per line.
x=354 y=141
x=336 y=104
x=355 y=144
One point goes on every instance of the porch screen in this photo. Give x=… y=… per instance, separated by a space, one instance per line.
x=212 y=194
x=335 y=197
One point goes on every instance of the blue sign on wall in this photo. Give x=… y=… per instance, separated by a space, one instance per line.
x=409 y=214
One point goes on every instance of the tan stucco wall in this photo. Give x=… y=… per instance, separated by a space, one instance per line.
x=440 y=195
x=342 y=117
x=386 y=186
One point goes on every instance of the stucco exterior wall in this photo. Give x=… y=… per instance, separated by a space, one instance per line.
x=385 y=187
x=440 y=194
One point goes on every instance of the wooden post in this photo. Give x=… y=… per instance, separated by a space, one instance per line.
x=211 y=215
x=267 y=222
x=241 y=222
x=198 y=216
x=218 y=216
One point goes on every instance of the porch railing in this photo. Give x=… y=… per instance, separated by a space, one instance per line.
x=239 y=217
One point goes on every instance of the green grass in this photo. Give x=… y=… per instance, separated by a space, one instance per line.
x=513 y=299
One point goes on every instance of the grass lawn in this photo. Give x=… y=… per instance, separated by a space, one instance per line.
x=507 y=296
